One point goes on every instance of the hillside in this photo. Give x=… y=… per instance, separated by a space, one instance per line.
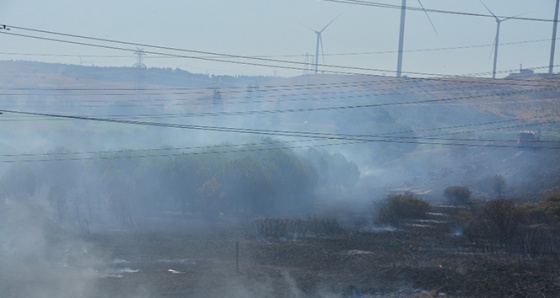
x=522 y=98
x=414 y=129
x=162 y=183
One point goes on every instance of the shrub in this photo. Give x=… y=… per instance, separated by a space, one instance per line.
x=457 y=194
x=397 y=208
x=550 y=205
x=514 y=228
x=504 y=217
x=545 y=211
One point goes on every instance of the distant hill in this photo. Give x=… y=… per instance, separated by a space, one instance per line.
x=409 y=102
x=55 y=74
x=419 y=130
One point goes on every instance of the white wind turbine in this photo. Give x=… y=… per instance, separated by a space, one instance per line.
x=497 y=39
x=320 y=43
x=401 y=34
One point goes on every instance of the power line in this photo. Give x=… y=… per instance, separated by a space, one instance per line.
x=299 y=66
x=236 y=56
x=437 y=49
x=266 y=132
x=291 y=55
x=291 y=87
x=122 y=154
x=394 y=6
x=180 y=154
x=331 y=108
x=127 y=153
x=346 y=95
x=162 y=103
x=293 y=65
x=63 y=55
x=265 y=90
x=300 y=110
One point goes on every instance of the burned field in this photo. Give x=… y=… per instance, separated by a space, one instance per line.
x=346 y=186
x=422 y=258
x=140 y=243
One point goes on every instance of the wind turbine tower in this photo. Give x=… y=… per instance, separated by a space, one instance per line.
x=320 y=43
x=401 y=39
x=497 y=39
x=553 y=45
x=401 y=34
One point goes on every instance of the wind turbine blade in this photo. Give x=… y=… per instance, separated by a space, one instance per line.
x=515 y=16
x=493 y=47
x=330 y=23
x=427 y=15
x=306 y=27
x=497 y=19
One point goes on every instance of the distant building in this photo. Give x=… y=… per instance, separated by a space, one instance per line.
x=523 y=73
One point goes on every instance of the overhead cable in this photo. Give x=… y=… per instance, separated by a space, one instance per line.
x=268 y=132
x=253 y=61
x=395 y=6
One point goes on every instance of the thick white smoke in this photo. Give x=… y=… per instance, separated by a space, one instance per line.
x=38 y=259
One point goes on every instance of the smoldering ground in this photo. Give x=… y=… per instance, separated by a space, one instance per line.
x=38 y=258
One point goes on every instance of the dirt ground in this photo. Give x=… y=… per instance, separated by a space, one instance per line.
x=199 y=260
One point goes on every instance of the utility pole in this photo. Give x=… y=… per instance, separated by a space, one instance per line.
x=140 y=72
x=139 y=53
x=401 y=39
x=553 y=47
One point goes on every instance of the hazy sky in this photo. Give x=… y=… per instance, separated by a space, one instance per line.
x=278 y=29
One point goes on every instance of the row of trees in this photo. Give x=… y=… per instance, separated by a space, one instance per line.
x=257 y=179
